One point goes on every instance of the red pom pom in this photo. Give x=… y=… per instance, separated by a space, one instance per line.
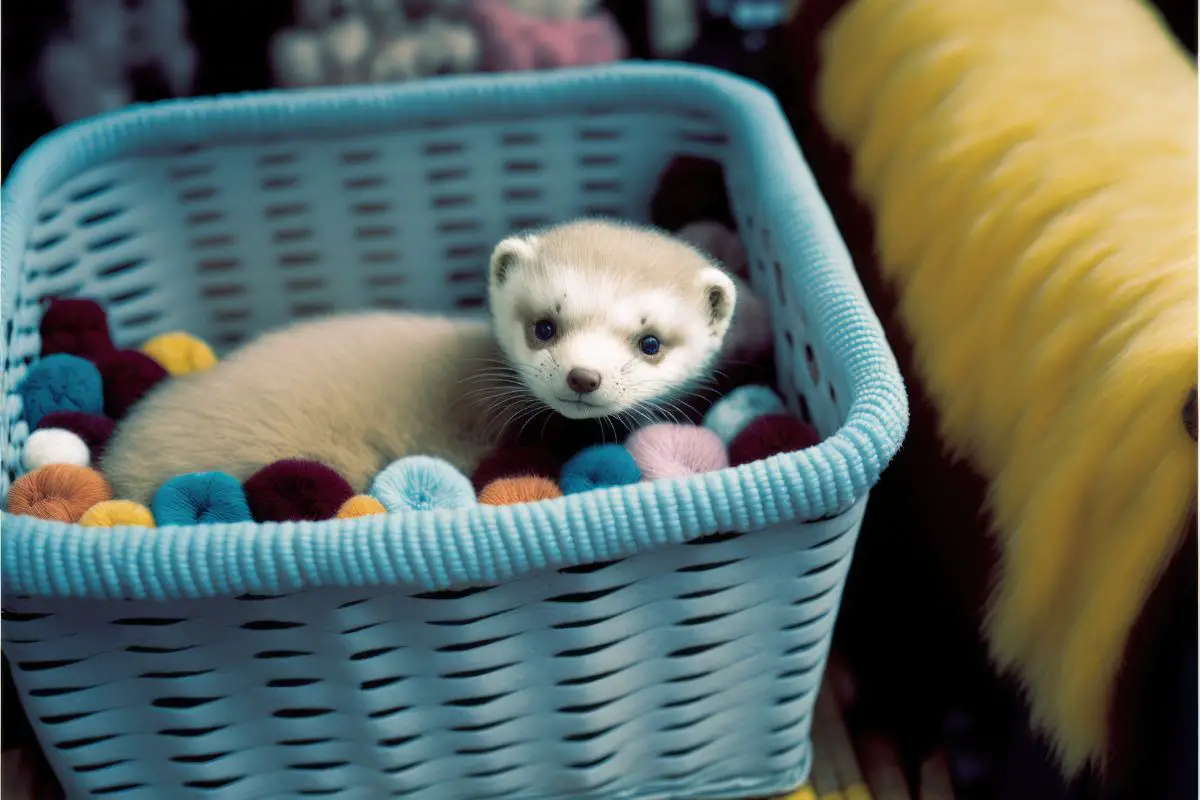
x=95 y=430
x=296 y=489
x=516 y=461
x=770 y=435
x=77 y=327
x=128 y=375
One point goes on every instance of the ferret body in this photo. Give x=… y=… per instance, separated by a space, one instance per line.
x=576 y=310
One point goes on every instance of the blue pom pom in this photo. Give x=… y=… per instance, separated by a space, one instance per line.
x=598 y=466
x=200 y=498
x=61 y=382
x=733 y=412
x=421 y=483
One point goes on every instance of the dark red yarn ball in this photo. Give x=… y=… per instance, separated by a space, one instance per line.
x=296 y=489
x=516 y=460
x=94 y=429
x=128 y=375
x=690 y=189
x=770 y=435
x=77 y=327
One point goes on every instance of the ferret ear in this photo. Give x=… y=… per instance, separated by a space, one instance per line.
x=509 y=254
x=720 y=298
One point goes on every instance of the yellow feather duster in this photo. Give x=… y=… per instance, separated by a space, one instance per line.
x=1032 y=169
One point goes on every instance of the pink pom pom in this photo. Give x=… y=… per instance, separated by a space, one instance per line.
x=513 y=41
x=667 y=450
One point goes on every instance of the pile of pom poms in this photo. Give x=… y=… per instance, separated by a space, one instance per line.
x=83 y=385
x=747 y=425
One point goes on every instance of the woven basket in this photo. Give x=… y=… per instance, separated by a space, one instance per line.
x=658 y=640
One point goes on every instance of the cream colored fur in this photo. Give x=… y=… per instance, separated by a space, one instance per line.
x=353 y=392
x=358 y=391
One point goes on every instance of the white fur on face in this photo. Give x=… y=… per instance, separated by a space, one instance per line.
x=599 y=323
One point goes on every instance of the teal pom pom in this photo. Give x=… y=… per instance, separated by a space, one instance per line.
x=421 y=483
x=61 y=382
x=733 y=412
x=599 y=466
x=200 y=498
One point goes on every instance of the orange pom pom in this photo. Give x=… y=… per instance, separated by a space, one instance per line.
x=361 y=505
x=510 y=491
x=60 y=492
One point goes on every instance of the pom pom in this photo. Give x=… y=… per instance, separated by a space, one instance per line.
x=200 y=498
x=361 y=505
x=667 y=450
x=512 y=41
x=769 y=435
x=94 y=429
x=55 y=446
x=114 y=513
x=420 y=483
x=295 y=489
x=76 y=327
x=511 y=491
x=61 y=492
x=128 y=376
x=599 y=466
x=734 y=411
x=180 y=353
x=61 y=382
x=691 y=188
x=528 y=460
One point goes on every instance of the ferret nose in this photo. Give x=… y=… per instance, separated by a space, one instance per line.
x=583 y=380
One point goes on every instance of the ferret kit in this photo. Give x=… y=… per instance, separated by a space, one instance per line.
x=618 y=324
x=503 y=436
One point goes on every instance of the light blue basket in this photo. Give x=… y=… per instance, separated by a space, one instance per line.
x=616 y=644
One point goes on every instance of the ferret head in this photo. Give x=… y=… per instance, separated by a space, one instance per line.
x=600 y=318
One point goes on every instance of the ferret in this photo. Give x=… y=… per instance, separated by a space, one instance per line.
x=589 y=319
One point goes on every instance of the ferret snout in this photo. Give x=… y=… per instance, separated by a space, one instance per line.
x=583 y=380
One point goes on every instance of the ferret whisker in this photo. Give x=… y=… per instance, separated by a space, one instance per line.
x=513 y=414
x=613 y=427
x=536 y=413
x=509 y=391
x=668 y=412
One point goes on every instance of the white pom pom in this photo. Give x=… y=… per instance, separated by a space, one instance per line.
x=398 y=60
x=296 y=59
x=55 y=446
x=346 y=44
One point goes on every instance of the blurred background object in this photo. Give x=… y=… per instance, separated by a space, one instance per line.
x=67 y=59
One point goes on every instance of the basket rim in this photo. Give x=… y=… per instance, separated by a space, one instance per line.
x=443 y=549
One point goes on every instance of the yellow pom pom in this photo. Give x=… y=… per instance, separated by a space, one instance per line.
x=113 y=513
x=361 y=505
x=180 y=353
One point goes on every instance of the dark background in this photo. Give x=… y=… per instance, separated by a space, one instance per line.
x=232 y=35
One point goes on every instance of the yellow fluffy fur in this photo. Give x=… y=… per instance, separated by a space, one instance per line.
x=1032 y=169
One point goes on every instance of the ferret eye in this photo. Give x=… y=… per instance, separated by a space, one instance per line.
x=543 y=330
x=649 y=345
